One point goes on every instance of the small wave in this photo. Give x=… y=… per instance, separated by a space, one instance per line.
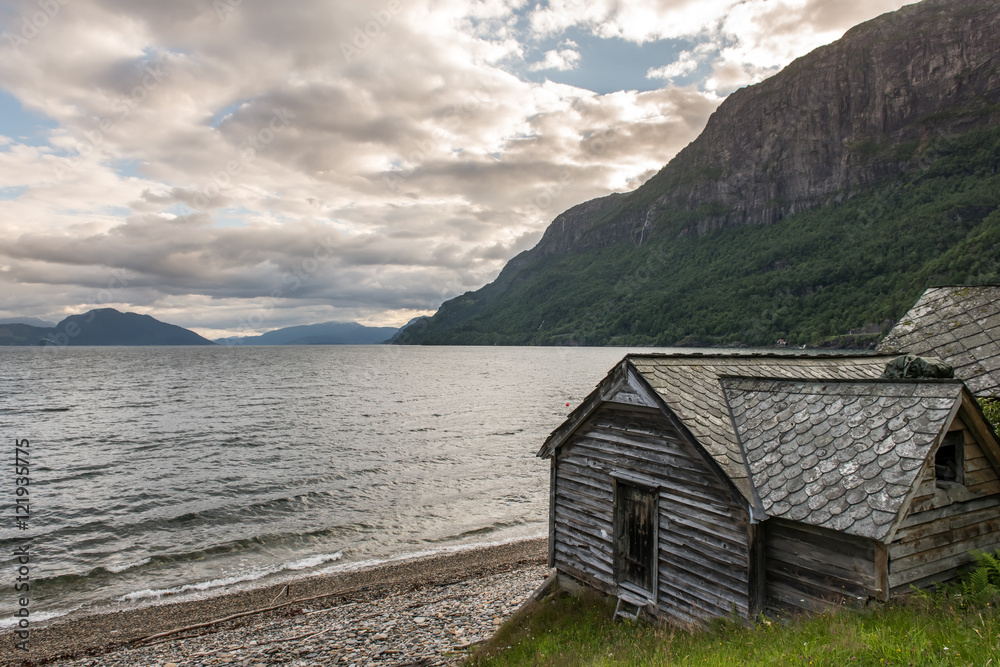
x=426 y=553
x=183 y=559
x=205 y=586
x=201 y=586
x=55 y=409
x=98 y=573
x=116 y=569
x=312 y=561
x=479 y=532
x=36 y=617
x=218 y=515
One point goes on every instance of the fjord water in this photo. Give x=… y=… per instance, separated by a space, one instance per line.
x=158 y=473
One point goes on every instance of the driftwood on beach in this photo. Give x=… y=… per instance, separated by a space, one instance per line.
x=393 y=614
x=231 y=617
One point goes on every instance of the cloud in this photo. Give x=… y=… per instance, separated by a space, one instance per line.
x=562 y=60
x=332 y=160
x=685 y=64
x=752 y=39
x=633 y=21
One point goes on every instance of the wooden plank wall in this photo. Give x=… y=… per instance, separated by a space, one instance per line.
x=945 y=524
x=703 y=569
x=934 y=545
x=980 y=476
x=923 y=500
x=809 y=568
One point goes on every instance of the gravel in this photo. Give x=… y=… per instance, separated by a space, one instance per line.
x=419 y=613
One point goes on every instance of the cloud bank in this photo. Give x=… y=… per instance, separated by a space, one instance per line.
x=242 y=165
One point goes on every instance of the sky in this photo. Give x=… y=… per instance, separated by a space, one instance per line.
x=237 y=166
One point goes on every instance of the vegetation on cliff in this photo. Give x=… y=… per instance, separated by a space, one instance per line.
x=856 y=265
x=815 y=207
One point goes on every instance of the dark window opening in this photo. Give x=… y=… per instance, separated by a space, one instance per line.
x=635 y=535
x=948 y=462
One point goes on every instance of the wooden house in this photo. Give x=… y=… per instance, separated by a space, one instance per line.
x=696 y=486
x=959 y=324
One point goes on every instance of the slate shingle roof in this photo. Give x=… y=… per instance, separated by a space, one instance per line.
x=689 y=385
x=840 y=455
x=960 y=325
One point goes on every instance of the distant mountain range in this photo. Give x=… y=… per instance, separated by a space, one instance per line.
x=104 y=326
x=327 y=333
x=107 y=326
x=33 y=321
x=815 y=207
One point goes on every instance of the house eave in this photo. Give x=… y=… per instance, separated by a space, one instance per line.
x=605 y=389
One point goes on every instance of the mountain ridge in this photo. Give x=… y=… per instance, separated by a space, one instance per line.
x=30 y=321
x=101 y=326
x=859 y=138
x=324 y=333
x=733 y=164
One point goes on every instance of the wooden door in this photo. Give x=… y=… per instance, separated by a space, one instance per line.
x=635 y=536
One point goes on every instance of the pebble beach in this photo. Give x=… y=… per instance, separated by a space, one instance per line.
x=416 y=613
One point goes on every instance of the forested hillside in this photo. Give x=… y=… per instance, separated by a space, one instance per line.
x=815 y=207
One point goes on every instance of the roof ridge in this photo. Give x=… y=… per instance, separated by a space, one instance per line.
x=854 y=354
x=962 y=286
x=879 y=380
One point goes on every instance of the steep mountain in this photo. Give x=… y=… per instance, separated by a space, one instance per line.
x=327 y=333
x=816 y=204
x=104 y=326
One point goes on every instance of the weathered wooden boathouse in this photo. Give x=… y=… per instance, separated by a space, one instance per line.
x=698 y=486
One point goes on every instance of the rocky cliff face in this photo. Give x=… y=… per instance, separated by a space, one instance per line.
x=843 y=117
x=751 y=232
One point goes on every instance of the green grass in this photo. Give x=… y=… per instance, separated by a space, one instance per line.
x=929 y=630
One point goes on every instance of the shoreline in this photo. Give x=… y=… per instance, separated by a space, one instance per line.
x=66 y=640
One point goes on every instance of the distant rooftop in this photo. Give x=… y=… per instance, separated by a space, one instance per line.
x=959 y=324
